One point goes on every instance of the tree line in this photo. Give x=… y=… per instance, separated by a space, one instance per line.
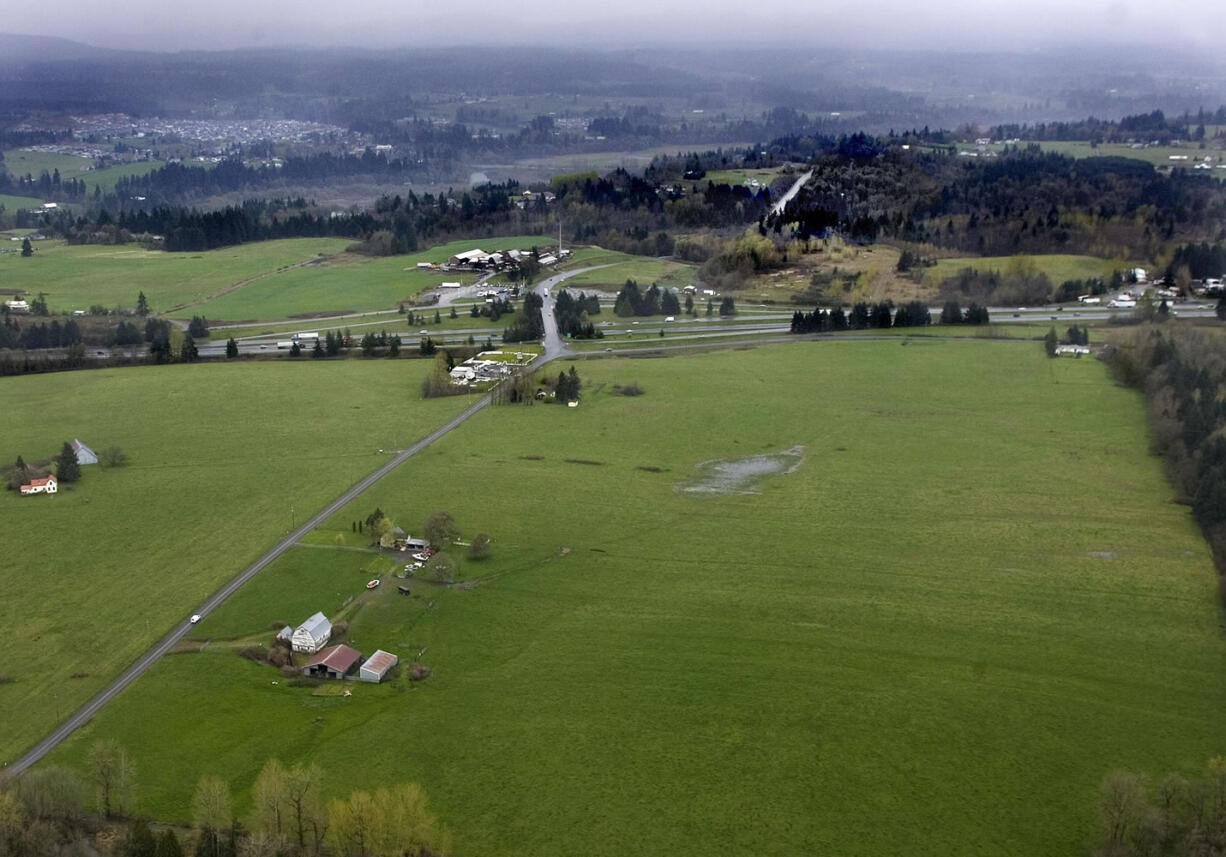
x=44 y=812
x=1181 y=371
x=869 y=316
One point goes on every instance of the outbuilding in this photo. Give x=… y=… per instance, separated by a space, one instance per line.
x=84 y=454
x=377 y=666
x=332 y=662
x=312 y=635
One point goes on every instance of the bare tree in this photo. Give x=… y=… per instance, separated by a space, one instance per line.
x=104 y=765
x=269 y=798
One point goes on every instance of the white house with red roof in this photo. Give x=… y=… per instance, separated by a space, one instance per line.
x=41 y=486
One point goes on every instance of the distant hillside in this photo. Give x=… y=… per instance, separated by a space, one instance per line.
x=16 y=49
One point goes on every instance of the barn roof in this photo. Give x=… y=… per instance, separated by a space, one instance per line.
x=317 y=626
x=340 y=658
x=380 y=662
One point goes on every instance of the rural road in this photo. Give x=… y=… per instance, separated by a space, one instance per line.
x=553 y=348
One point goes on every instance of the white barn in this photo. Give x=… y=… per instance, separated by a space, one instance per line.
x=312 y=635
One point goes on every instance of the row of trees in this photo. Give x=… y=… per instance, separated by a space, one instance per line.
x=1176 y=817
x=865 y=316
x=1181 y=372
x=632 y=301
x=43 y=813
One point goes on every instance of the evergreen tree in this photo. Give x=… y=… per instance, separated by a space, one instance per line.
x=318 y=351
x=27 y=249
x=437 y=318
x=452 y=314
x=231 y=348
x=67 y=469
x=393 y=347
x=295 y=350
x=168 y=845
x=142 y=304
x=1049 y=342
x=140 y=841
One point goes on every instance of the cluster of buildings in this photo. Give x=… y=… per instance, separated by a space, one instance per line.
x=481 y=368
x=500 y=260
x=339 y=661
x=49 y=484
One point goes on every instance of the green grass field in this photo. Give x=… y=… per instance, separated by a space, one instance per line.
x=970 y=601
x=224 y=458
x=764 y=177
x=1159 y=156
x=622 y=267
x=1058 y=267
x=12 y=203
x=265 y=280
x=22 y=162
x=76 y=277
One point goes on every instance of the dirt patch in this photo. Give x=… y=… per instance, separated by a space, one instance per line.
x=744 y=475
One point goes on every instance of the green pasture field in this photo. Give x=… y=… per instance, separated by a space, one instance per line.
x=742 y=177
x=349 y=283
x=76 y=277
x=223 y=459
x=1159 y=156
x=13 y=203
x=1057 y=267
x=621 y=267
x=970 y=600
x=20 y=162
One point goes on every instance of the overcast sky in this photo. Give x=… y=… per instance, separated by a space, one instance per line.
x=966 y=24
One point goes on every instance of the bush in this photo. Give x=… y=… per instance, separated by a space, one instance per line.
x=339 y=628
x=418 y=672
x=113 y=456
x=480 y=547
x=254 y=653
x=289 y=670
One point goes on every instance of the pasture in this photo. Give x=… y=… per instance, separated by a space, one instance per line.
x=969 y=600
x=77 y=277
x=622 y=266
x=1186 y=156
x=265 y=280
x=23 y=162
x=224 y=458
x=12 y=203
x=1058 y=267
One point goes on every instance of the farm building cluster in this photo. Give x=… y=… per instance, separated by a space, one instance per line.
x=499 y=260
x=49 y=484
x=488 y=366
x=338 y=661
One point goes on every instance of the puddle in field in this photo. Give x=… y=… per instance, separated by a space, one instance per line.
x=743 y=476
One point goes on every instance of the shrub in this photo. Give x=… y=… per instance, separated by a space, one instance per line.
x=418 y=672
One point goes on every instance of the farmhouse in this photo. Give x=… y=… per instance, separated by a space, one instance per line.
x=332 y=662
x=312 y=634
x=377 y=666
x=84 y=454
x=41 y=486
x=17 y=306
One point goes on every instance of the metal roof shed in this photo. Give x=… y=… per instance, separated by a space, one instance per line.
x=377 y=666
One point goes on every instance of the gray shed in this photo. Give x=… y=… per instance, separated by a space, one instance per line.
x=84 y=454
x=377 y=666
x=286 y=633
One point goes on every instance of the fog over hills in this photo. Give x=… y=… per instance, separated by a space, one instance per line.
x=990 y=25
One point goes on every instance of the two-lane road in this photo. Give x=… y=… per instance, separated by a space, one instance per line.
x=553 y=348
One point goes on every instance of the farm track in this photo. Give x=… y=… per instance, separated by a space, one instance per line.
x=234 y=287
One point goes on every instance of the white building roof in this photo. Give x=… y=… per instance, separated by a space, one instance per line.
x=317 y=626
